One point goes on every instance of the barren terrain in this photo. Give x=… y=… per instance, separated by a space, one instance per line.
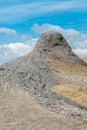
x=85 y=59
x=19 y=111
x=74 y=92
x=44 y=90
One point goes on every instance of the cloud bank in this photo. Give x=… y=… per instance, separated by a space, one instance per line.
x=12 y=51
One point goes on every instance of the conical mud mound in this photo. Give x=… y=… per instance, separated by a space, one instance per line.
x=36 y=73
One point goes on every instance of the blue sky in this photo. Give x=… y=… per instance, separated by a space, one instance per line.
x=23 y=21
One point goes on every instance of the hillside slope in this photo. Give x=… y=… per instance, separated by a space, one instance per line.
x=19 y=111
x=52 y=62
x=85 y=59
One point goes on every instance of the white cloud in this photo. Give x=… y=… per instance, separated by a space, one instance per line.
x=7 y=30
x=48 y=27
x=20 y=48
x=12 y=51
x=81 y=52
x=77 y=40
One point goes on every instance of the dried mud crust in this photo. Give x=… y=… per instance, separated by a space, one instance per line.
x=20 y=111
x=37 y=75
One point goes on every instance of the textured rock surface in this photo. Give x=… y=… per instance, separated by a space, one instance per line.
x=33 y=73
x=53 y=44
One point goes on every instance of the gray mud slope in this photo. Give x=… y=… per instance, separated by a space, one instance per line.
x=33 y=73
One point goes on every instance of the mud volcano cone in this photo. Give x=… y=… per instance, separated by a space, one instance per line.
x=34 y=73
x=54 y=45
